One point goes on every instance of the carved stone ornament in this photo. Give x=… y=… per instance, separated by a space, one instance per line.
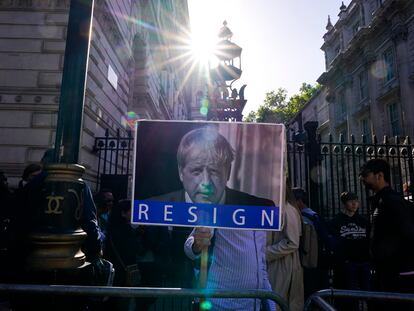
x=399 y=33
x=330 y=97
x=369 y=57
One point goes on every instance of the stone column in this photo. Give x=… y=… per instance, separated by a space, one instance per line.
x=399 y=36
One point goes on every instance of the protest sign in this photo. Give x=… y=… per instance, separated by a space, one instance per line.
x=211 y=174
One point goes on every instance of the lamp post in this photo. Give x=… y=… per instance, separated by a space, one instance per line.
x=57 y=237
x=226 y=103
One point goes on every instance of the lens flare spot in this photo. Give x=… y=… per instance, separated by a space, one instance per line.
x=379 y=69
x=205 y=305
x=130 y=119
x=204 y=111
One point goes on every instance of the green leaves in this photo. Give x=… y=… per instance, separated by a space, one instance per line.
x=276 y=109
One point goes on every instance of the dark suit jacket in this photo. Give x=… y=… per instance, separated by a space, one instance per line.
x=233 y=197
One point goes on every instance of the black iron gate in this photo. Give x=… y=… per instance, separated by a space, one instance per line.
x=327 y=168
x=114 y=162
x=324 y=168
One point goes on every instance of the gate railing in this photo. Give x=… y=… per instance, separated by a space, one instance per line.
x=114 y=155
x=319 y=297
x=104 y=291
x=326 y=168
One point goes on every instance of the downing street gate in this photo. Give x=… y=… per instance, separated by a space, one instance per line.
x=326 y=168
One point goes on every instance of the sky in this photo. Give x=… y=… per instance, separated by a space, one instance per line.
x=281 y=40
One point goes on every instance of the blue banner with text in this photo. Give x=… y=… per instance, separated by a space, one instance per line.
x=206 y=215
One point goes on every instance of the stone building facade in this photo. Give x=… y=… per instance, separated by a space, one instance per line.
x=134 y=66
x=316 y=109
x=369 y=77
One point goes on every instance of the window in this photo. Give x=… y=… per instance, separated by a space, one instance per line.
x=389 y=68
x=363 y=84
x=366 y=129
x=355 y=28
x=112 y=77
x=394 y=119
x=341 y=107
x=199 y=97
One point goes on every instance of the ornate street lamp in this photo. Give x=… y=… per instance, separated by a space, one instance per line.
x=226 y=103
x=57 y=236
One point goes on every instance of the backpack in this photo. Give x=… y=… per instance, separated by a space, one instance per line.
x=308 y=244
x=327 y=243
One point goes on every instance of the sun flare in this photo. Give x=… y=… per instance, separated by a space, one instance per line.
x=203 y=49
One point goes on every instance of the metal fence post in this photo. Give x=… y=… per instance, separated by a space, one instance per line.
x=410 y=167
x=313 y=152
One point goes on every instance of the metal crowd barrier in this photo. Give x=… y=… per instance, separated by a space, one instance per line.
x=138 y=292
x=318 y=297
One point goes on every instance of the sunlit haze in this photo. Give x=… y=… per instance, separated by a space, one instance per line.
x=203 y=48
x=281 y=40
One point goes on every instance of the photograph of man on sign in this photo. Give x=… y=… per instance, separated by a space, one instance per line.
x=204 y=164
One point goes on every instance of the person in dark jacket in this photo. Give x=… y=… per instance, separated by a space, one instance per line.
x=30 y=172
x=105 y=201
x=29 y=198
x=5 y=211
x=317 y=278
x=351 y=264
x=124 y=245
x=392 y=233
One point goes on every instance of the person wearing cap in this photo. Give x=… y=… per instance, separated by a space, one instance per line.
x=351 y=264
x=392 y=233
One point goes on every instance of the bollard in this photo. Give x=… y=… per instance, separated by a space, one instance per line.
x=57 y=237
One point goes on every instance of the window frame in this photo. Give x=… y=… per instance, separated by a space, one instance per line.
x=388 y=57
x=394 y=119
x=366 y=129
x=363 y=88
x=341 y=113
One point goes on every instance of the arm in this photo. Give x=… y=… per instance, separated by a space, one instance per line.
x=198 y=239
x=404 y=217
x=188 y=247
x=269 y=304
x=94 y=240
x=292 y=232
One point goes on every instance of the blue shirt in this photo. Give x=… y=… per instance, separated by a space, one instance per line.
x=238 y=262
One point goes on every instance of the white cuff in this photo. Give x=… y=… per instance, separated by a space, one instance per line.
x=188 y=248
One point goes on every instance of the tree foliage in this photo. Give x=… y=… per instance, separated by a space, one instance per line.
x=277 y=109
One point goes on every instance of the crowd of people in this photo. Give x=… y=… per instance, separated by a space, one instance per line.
x=353 y=252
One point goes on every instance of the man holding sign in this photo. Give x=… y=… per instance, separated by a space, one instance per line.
x=229 y=225
x=238 y=259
